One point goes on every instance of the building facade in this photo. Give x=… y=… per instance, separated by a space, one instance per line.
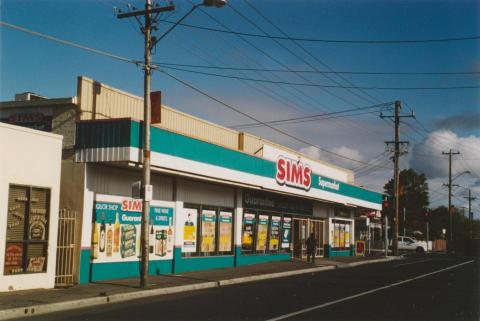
x=221 y=198
x=29 y=196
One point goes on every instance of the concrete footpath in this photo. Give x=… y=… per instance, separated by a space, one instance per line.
x=34 y=302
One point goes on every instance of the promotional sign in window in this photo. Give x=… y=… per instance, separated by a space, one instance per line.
x=347 y=235
x=274 y=233
x=248 y=230
x=337 y=235
x=262 y=230
x=116 y=231
x=13 y=258
x=209 y=219
x=342 y=235
x=225 y=221
x=286 y=232
x=189 y=217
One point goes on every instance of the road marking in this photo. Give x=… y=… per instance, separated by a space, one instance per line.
x=285 y=316
x=415 y=262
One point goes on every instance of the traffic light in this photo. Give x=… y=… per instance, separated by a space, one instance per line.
x=426 y=214
x=385 y=204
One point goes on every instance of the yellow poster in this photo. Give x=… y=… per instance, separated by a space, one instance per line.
x=262 y=230
x=190 y=230
x=208 y=231
x=342 y=236
x=225 y=220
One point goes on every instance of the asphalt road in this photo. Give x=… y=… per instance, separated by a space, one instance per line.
x=433 y=287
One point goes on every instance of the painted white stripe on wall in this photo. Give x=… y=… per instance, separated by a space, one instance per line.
x=202 y=169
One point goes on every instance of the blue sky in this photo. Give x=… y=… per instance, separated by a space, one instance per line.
x=29 y=63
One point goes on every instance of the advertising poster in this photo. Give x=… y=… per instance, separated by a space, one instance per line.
x=13 y=258
x=189 y=230
x=116 y=231
x=274 y=233
x=337 y=235
x=209 y=219
x=161 y=236
x=286 y=232
x=262 y=230
x=347 y=235
x=342 y=235
x=247 y=233
x=225 y=221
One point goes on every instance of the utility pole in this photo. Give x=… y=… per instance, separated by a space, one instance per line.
x=396 y=170
x=450 y=212
x=470 y=213
x=404 y=213
x=146 y=29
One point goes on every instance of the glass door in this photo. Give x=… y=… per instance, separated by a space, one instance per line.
x=299 y=238
x=316 y=227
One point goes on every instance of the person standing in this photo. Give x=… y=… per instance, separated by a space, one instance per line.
x=311 y=247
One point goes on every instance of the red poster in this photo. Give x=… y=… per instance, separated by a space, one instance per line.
x=13 y=258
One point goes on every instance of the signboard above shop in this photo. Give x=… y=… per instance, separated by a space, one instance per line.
x=276 y=203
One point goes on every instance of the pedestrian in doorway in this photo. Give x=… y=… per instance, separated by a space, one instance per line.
x=311 y=247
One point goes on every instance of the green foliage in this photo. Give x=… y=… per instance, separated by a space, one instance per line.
x=414 y=198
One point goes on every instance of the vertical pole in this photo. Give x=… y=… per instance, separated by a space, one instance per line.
x=404 y=210
x=428 y=232
x=450 y=195
x=386 y=235
x=396 y=176
x=470 y=214
x=146 y=149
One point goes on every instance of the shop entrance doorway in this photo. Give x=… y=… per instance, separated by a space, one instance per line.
x=301 y=231
x=299 y=236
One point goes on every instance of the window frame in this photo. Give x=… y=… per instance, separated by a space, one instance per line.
x=26 y=241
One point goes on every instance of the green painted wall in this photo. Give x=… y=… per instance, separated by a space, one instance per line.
x=84 y=270
x=199 y=263
x=121 y=270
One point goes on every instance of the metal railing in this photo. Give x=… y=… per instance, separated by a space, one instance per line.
x=64 y=273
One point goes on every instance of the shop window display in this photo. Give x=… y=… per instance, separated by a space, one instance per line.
x=27 y=230
x=208 y=231
x=263 y=233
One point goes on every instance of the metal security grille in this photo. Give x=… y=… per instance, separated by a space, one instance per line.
x=65 y=248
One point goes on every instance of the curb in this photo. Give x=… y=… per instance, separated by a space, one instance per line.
x=121 y=297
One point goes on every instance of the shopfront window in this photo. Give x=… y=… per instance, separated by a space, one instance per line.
x=265 y=233
x=28 y=216
x=341 y=234
x=207 y=231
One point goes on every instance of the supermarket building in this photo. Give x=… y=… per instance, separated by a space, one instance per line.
x=221 y=198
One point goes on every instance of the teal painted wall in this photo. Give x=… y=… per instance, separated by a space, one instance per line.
x=332 y=253
x=174 y=144
x=121 y=270
x=84 y=271
x=199 y=263
x=242 y=259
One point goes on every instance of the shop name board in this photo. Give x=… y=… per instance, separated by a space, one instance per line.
x=293 y=173
x=323 y=183
x=132 y=205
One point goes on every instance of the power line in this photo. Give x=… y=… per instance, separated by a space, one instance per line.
x=72 y=44
x=314 y=117
x=344 y=41
x=343 y=72
x=311 y=84
x=303 y=141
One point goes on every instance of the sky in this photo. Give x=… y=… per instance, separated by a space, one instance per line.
x=444 y=119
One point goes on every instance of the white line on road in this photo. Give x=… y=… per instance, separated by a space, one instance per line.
x=415 y=262
x=285 y=316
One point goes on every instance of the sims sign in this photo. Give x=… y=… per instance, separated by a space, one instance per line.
x=293 y=173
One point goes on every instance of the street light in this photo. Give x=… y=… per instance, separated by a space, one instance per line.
x=205 y=3
x=464 y=172
x=150 y=42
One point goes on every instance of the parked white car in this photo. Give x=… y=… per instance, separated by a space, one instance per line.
x=411 y=244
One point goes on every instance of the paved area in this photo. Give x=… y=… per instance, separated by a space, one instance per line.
x=431 y=287
x=45 y=296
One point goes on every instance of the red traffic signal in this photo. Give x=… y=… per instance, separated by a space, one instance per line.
x=426 y=214
x=385 y=204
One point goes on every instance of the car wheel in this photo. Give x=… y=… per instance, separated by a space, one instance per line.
x=420 y=249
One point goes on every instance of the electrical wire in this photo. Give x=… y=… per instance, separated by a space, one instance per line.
x=311 y=84
x=344 y=41
x=307 y=71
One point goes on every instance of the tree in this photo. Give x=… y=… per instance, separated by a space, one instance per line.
x=413 y=191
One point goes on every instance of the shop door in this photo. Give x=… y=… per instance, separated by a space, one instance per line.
x=299 y=238
x=316 y=227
